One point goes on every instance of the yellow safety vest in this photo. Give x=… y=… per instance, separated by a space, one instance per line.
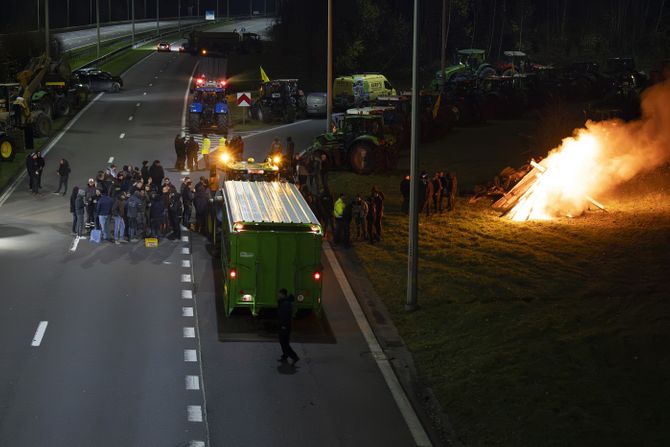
x=222 y=143
x=338 y=209
x=205 y=146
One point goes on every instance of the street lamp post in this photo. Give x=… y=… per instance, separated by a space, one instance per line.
x=132 y=21
x=38 y=15
x=46 y=27
x=413 y=249
x=97 y=27
x=329 y=68
x=67 y=14
x=158 y=26
x=179 y=15
x=227 y=9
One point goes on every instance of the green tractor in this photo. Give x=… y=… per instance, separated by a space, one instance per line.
x=362 y=141
x=470 y=63
x=11 y=136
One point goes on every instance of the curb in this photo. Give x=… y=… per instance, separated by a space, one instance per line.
x=426 y=405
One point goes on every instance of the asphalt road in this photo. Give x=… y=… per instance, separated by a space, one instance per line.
x=84 y=37
x=134 y=349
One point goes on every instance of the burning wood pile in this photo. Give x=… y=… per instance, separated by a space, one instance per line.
x=592 y=162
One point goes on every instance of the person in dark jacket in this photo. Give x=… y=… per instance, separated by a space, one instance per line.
x=30 y=170
x=201 y=203
x=378 y=198
x=371 y=217
x=63 y=175
x=404 y=191
x=452 y=190
x=103 y=210
x=325 y=168
x=437 y=192
x=134 y=208
x=156 y=214
x=73 y=209
x=180 y=151
x=425 y=193
x=285 y=317
x=79 y=207
x=175 y=210
x=145 y=171
x=192 y=149
x=40 y=168
x=156 y=172
x=187 y=201
x=327 y=205
x=32 y=166
x=119 y=214
x=445 y=190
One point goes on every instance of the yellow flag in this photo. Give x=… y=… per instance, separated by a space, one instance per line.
x=436 y=107
x=264 y=76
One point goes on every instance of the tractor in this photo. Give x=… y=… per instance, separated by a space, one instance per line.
x=361 y=142
x=208 y=111
x=470 y=63
x=279 y=99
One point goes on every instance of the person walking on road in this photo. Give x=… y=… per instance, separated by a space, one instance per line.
x=290 y=150
x=285 y=317
x=338 y=214
x=145 y=171
x=206 y=144
x=175 y=210
x=63 y=175
x=378 y=198
x=91 y=204
x=73 y=210
x=201 y=203
x=156 y=214
x=404 y=191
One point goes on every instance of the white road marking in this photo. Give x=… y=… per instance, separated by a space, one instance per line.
x=138 y=104
x=190 y=355
x=185 y=277
x=185 y=251
x=155 y=77
x=197 y=444
x=272 y=129
x=150 y=84
x=130 y=118
x=144 y=93
x=187 y=294
x=39 y=333
x=8 y=192
x=122 y=136
x=111 y=160
x=75 y=243
x=186 y=311
x=184 y=238
x=185 y=172
x=411 y=419
x=186 y=263
x=192 y=382
x=194 y=413
x=189 y=332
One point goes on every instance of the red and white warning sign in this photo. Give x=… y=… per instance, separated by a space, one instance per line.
x=244 y=99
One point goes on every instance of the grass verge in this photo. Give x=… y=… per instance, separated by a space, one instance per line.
x=549 y=333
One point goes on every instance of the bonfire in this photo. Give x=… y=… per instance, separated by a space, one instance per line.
x=592 y=162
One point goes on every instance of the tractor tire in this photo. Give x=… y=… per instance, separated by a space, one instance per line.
x=41 y=124
x=194 y=122
x=45 y=106
x=116 y=87
x=62 y=106
x=362 y=158
x=486 y=72
x=7 y=148
x=289 y=116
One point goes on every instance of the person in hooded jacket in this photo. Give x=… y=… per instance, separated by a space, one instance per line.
x=285 y=317
x=63 y=175
x=91 y=203
x=145 y=171
x=175 y=211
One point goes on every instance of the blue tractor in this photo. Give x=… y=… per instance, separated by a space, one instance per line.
x=208 y=111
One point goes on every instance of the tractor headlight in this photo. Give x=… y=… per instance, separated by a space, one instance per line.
x=276 y=159
x=225 y=157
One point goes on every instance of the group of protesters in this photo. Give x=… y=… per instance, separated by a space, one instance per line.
x=35 y=165
x=187 y=150
x=134 y=202
x=433 y=193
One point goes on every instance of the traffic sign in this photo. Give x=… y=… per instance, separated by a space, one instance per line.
x=244 y=99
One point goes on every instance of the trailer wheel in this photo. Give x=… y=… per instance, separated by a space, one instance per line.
x=362 y=158
x=41 y=124
x=7 y=149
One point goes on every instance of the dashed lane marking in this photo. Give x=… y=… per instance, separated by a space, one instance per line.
x=194 y=413
x=130 y=118
x=186 y=311
x=122 y=136
x=190 y=355
x=111 y=160
x=186 y=263
x=138 y=104
x=144 y=93
x=189 y=332
x=192 y=382
x=39 y=333
x=187 y=294
x=197 y=444
x=185 y=251
x=184 y=238
x=185 y=277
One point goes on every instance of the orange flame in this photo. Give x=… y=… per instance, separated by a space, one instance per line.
x=597 y=158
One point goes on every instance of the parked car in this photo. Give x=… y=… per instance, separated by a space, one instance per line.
x=98 y=81
x=164 y=46
x=316 y=104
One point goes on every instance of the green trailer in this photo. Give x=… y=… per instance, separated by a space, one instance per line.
x=270 y=240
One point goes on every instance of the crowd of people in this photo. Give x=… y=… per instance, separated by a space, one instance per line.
x=134 y=202
x=433 y=193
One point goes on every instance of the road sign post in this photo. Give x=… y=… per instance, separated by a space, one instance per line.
x=244 y=100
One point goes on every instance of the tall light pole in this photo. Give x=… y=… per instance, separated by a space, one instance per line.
x=413 y=249
x=228 y=9
x=97 y=26
x=329 y=68
x=158 y=26
x=132 y=21
x=46 y=27
x=109 y=11
x=443 y=54
x=179 y=15
x=67 y=14
x=38 y=15
x=251 y=8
